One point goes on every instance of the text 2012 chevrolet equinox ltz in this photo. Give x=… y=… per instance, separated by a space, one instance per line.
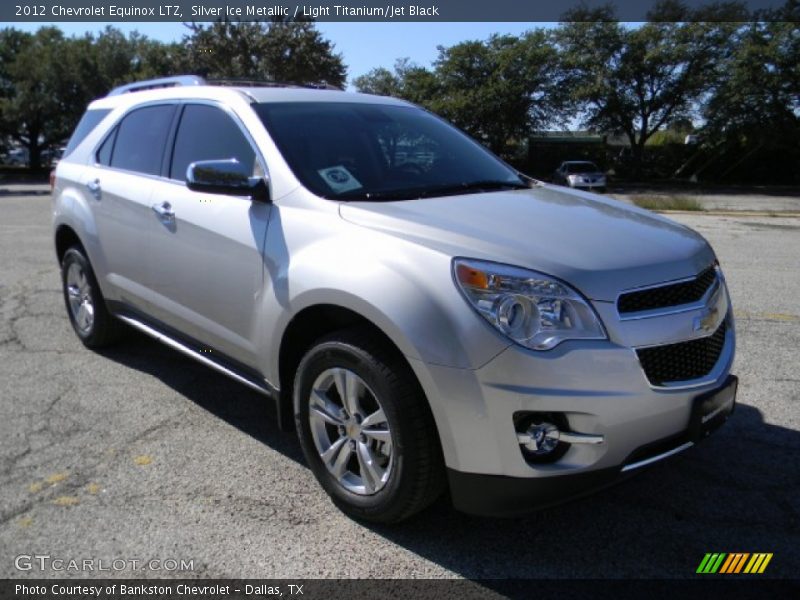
x=424 y=315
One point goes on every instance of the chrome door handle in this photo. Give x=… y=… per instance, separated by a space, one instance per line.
x=94 y=188
x=164 y=210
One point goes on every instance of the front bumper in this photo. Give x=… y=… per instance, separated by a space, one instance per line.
x=500 y=496
x=598 y=184
x=598 y=388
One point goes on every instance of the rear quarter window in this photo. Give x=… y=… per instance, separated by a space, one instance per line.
x=89 y=120
x=103 y=156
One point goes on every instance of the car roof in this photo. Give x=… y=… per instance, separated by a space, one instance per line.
x=264 y=94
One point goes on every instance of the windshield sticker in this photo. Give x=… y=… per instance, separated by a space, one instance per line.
x=339 y=179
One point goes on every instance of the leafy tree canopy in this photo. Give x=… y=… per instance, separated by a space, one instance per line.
x=283 y=51
x=496 y=90
x=634 y=81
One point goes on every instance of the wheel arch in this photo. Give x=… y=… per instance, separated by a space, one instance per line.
x=312 y=323
x=65 y=238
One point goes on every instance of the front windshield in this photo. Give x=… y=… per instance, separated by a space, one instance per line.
x=355 y=151
x=582 y=167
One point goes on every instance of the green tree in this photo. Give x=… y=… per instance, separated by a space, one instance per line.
x=11 y=43
x=408 y=80
x=496 y=90
x=284 y=51
x=46 y=80
x=381 y=82
x=634 y=81
x=110 y=59
x=499 y=90
x=753 y=115
x=35 y=105
x=759 y=85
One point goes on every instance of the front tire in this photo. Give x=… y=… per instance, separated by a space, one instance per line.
x=366 y=429
x=86 y=307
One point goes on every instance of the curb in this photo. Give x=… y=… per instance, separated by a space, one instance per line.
x=733 y=213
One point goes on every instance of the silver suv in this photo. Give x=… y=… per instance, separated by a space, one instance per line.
x=422 y=314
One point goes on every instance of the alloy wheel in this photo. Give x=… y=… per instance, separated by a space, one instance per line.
x=350 y=431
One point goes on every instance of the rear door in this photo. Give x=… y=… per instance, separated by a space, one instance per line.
x=119 y=185
x=206 y=264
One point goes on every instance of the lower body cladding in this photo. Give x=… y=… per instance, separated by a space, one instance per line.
x=533 y=429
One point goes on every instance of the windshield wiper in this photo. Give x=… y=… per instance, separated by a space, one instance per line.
x=377 y=196
x=443 y=190
x=487 y=185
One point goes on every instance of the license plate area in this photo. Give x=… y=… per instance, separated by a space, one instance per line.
x=711 y=410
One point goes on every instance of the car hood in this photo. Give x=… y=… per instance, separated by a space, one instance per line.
x=600 y=246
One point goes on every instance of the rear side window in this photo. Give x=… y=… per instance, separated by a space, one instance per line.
x=141 y=138
x=86 y=125
x=208 y=133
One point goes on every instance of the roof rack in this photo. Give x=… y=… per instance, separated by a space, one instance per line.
x=322 y=85
x=163 y=82
x=181 y=80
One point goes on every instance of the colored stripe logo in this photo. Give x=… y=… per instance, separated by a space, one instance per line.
x=735 y=562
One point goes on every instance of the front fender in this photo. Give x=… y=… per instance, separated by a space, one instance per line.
x=403 y=288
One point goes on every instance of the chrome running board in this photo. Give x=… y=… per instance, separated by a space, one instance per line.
x=184 y=349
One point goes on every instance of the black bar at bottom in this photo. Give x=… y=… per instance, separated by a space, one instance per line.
x=704 y=586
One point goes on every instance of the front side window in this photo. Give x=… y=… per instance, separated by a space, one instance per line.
x=140 y=139
x=355 y=151
x=209 y=133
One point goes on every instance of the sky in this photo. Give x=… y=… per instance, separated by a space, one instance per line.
x=364 y=46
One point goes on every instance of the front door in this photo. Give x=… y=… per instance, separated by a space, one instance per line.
x=205 y=250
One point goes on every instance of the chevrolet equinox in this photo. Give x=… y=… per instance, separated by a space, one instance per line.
x=424 y=316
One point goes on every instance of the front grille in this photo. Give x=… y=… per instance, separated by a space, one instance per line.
x=683 y=361
x=673 y=294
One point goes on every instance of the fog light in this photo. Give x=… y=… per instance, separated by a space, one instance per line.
x=545 y=437
x=542 y=438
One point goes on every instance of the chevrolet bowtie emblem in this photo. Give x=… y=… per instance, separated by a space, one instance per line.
x=707 y=320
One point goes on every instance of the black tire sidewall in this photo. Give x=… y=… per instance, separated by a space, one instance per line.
x=340 y=354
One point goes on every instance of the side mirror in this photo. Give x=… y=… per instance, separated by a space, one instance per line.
x=225 y=177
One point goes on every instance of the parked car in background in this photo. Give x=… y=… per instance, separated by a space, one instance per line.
x=582 y=174
x=50 y=156
x=17 y=157
x=423 y=315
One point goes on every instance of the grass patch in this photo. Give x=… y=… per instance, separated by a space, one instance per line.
x=666 y=202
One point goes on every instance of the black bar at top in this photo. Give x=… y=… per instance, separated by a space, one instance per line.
x=120 y=11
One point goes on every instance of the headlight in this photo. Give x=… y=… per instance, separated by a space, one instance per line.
x=573 y=178
x=534 y=310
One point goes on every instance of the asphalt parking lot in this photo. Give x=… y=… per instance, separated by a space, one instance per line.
x=140 y=453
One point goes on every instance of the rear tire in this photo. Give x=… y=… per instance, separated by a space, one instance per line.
x=86 y=307
x=374 y=448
